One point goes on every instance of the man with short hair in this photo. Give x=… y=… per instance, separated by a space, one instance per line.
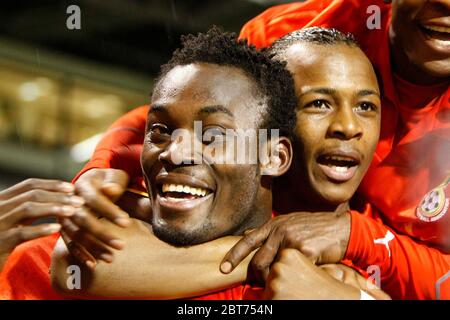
x=226 y=86
x=409 y=49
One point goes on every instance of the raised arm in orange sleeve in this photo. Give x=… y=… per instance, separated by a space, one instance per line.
x=408 y=269
x=124 y=138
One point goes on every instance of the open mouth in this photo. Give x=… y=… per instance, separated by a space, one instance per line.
x=436 y=32
x=180 y=192
x=338 y=167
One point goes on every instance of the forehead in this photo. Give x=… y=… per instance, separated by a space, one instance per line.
x=340 y=66
x=202 y=84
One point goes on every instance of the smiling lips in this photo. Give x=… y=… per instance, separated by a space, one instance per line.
x=437 y=32
x=339 y=167
x=181 y=192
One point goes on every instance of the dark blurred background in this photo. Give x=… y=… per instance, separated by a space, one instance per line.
x=60 y=88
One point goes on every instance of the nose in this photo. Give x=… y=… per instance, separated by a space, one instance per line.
x=179 y=151
x=345 y=125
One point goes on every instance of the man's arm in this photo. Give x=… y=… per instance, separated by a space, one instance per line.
x=149 y=268
x=294 y=277
x=408 y=270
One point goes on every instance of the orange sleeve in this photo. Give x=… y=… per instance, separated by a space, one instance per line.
x=25 y=275
x=277 y=21
x=408 y=269
x=121 y=145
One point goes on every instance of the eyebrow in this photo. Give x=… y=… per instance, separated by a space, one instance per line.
x=367 y=92
x=157 y=108
x=328 y=91
x=331 y=91
x=215 y=109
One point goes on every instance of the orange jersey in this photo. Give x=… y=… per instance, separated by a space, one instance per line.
x=410 y=166
x=26 y=276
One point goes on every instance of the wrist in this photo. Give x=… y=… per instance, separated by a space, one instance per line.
x=352 y=248
x=345 y=232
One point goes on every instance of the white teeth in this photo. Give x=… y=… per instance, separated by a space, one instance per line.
x=340 y=169
x=438 y=28
x=183 y=188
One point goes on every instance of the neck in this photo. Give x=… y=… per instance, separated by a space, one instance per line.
x=403 y=67
x=284 y=203
x=289 y=196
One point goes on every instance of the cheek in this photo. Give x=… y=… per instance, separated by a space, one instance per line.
x=310 y=134
x=370 y=141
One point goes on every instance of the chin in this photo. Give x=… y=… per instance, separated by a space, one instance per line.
x=336 y=194
x=182 y=237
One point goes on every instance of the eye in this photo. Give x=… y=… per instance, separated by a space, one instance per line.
x=318 y=104
x=158 y=133
x=159 y=128
x=213 y=134
x=366 y=107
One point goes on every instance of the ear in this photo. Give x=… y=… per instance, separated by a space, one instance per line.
x=279 y=151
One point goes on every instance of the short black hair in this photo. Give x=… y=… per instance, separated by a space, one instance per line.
x=316 y=35
x=273 y=80
x=321 y=36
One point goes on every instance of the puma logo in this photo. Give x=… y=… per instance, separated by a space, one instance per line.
x=385 y=241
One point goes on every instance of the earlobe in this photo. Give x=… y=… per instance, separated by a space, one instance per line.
x=280 y=157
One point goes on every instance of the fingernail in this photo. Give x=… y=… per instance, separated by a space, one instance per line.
x=107 y=257
x=67 y=187
x=52 y=228
x=77 y=201
x=123 y=222
x=118 y=244
x=226 y=267
x=90 y=264
x=68 y=211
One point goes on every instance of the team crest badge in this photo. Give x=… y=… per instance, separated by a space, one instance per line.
x=435 y=203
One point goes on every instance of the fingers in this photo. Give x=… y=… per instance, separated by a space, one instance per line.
x=137 y=206
x=41 y=196
x=115 y=183
x=31 y=211
x=77 y=251
x=84 y=246
x=265 y=256
x=244 y=247
x=17 y=235
x=97 y=201
x=88 y=223
x=32 y=184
